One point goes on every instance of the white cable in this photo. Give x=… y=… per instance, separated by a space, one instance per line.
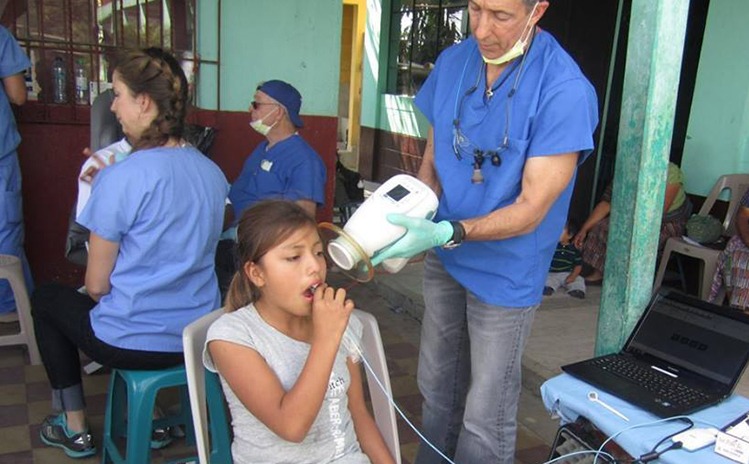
x=356 y=348
x=392 y=401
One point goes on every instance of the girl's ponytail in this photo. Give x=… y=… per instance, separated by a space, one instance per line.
x=240 y=292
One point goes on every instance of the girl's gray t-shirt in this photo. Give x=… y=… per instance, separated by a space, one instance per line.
x=331 y=438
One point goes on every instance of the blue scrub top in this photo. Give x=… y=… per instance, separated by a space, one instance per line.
x=552 y=111
x=13 y=60
x=165 y=208
x=289 y=170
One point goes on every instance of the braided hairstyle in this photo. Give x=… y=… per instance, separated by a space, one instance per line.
x=156 y=73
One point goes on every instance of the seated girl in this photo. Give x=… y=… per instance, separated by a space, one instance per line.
x=294 y=389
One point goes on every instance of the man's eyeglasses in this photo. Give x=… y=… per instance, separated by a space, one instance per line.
x=256 y=104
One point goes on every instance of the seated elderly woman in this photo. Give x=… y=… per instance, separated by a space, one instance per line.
x=593 y=235
x=155 y=220
x=732 y=273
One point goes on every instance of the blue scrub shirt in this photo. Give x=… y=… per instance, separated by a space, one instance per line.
x=289 y=170
x=553 y=110
x=165 y=208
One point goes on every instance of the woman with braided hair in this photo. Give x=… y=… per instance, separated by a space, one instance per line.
x=155 y=219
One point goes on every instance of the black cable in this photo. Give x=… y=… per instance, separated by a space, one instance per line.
x=689 y=426
x=654 y=454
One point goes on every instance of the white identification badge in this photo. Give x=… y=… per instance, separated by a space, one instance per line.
x=265 y=165
x=734 y=442
x=732 y=447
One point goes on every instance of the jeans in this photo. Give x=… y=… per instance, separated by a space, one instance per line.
x=63 y=326
x=469 y=372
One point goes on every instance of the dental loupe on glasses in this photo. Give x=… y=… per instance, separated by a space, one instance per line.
x=368 y=230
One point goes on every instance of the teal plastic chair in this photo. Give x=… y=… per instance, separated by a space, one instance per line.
x=129 y=412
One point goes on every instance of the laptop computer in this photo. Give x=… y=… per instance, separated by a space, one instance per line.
x=683 y=355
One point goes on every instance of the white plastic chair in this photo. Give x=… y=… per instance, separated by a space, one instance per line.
x=193 y=339
x=737 y=184
x=12 y=270
x=384 y=412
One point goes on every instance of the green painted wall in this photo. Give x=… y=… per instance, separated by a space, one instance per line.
x=298 y=41
x=372 y=82
x=207 y=79
x=392 y=113
x=718 y=132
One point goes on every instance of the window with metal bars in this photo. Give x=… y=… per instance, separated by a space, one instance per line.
x=83 y=37
x=419 y=31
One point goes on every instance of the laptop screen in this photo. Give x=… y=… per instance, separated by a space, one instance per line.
x=689 y=333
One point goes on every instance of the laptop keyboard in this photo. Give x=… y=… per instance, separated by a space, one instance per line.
x=666 y=389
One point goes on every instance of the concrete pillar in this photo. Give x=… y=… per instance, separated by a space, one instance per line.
x=651 y=80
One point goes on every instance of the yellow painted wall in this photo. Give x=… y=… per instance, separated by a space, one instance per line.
x=358 y=23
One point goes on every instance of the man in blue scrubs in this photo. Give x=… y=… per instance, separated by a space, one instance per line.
x=13 y=62
x=284 y=166
x=512 y=116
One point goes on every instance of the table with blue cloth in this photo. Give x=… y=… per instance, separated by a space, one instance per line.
x=567 y=397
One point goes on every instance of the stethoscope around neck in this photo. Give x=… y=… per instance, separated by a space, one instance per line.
x=461 y=142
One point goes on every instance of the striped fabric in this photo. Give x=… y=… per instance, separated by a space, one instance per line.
x=566 y=257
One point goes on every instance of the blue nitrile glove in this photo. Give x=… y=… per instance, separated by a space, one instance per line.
x=421 y=234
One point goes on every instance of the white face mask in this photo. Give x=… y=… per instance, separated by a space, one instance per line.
x=261 y=127
x=518 y=48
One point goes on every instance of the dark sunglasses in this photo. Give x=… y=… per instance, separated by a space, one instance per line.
x=255 y=104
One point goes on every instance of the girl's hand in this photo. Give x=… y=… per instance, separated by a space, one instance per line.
x=330 y=313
